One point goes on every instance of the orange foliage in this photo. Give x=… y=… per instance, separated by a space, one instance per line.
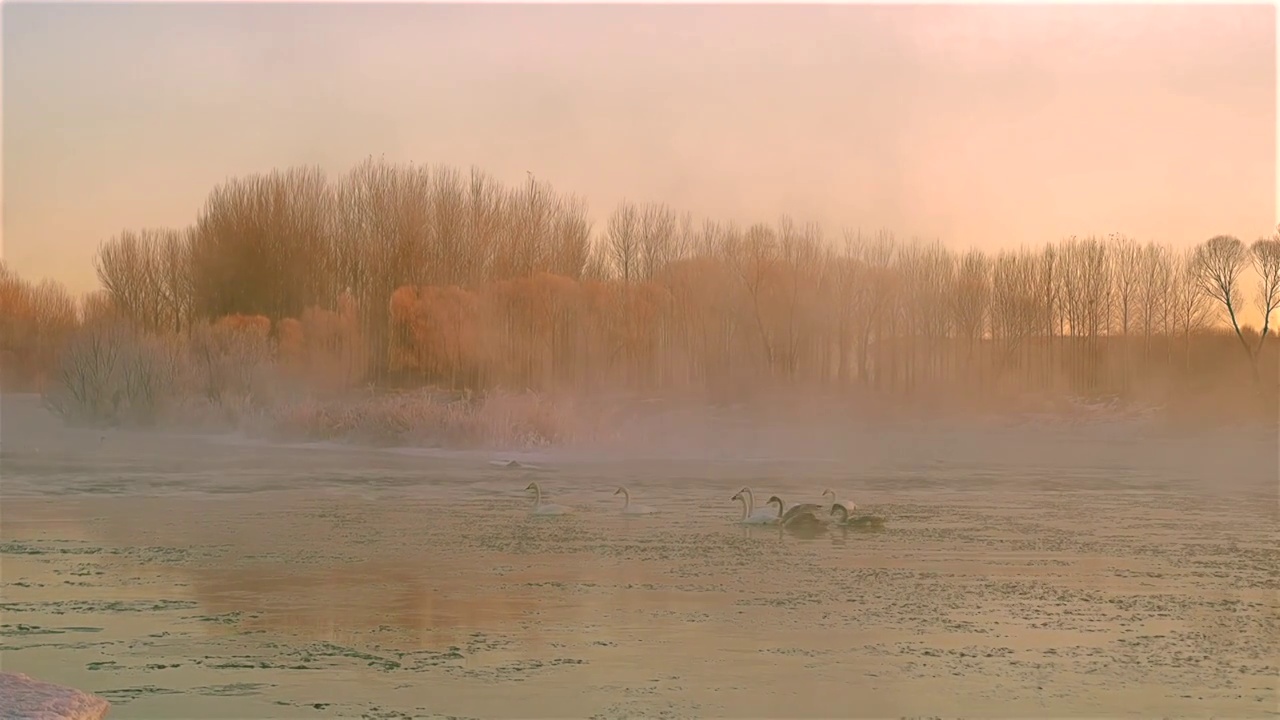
x=35 y=320
x=326 y=347
x=539 y=331
x=290 y=343
x=254 y=325
x=435 y=332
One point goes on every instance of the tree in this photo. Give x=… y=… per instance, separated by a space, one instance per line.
x=1155 y=285
x=1216 y=266
x=1265 y=256
x=1014 y=305
x=970 y=303
x=622 y=237
x=261 y=246
x=1188 y=304
x=129 y=269
x=570 y=239
x=1126 y=277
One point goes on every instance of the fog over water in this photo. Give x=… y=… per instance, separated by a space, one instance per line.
x=1036 y=571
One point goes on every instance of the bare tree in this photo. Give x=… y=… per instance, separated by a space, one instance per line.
x=571 y=238
x=450 y=263
x=754 y=261
x=799 y=276
x=176 y=276
x=658 y=237
x=971 y=302
x=1188 y=304
x=1126 y=256
x=129 y=269
x=1086 y=293
x=1217 y=265
x=484 y=214
x=878 y=256
x=848 y=300
x=1154 y=286
x=89 y=375
x=623 y=241
x=1048 y=280
x=530 y=244
x=1265 y=256
x=382 y=241
x=262 y=243
x=1014 y=306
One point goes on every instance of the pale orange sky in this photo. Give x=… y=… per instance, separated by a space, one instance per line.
x=981 y=125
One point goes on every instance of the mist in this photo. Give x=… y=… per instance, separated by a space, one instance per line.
x=668 y=361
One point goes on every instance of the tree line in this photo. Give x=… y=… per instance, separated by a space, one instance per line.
x=429 y=275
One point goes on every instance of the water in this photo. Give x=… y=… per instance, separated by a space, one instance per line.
x=1059 y=575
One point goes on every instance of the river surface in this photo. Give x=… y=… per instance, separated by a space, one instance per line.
x=1040 y=574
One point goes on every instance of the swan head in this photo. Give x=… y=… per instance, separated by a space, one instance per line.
x=736 y=496
x=531 y=486
x=775 y=499
x=830 y=492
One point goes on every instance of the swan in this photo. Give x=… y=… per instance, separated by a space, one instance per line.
x=628 y=508
x=862 y=522
x=801 y=519
x=751 y=516
x=849 y=505
x=539 y=508
x=797 y=511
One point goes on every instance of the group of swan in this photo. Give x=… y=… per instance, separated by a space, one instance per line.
x=541 y=508
x=797 y=516
x=802 y=514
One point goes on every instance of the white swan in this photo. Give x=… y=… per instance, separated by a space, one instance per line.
x=801 y=513
x=544 y=509
x=862 y=522
x=849 y=505
x=628 y=508
x=751 y=516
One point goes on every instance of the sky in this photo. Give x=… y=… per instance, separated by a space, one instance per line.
x=981 y=125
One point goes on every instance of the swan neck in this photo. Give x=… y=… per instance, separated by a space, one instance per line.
x=746 y=510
